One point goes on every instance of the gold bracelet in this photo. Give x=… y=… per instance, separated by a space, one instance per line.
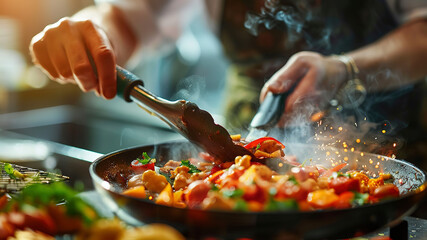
x=350 y=64
x=353 y=93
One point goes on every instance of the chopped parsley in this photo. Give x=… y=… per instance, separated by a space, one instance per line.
x=340 y=174
x=145 y=159
x=241 y=205
x=233 y=193
x=281 y=205
x=360 y=198
x=193 y=169
x=167 y=177
x=293 y=180
x=215 y=188
x=258 y=146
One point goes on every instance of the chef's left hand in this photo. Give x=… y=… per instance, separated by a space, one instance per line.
x=317 y=77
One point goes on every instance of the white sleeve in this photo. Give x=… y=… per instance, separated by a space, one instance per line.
x=156 y=22
x=408 y=10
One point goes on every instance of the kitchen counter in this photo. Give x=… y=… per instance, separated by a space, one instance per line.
x=69 y=138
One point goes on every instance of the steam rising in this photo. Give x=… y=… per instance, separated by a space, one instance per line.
x=294 y=19
x=362 y=129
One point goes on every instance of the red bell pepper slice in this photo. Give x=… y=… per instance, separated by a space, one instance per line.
x=255 y=143
x=337 y=168
x=137 y=165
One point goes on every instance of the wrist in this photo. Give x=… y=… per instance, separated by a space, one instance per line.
x=352 y=92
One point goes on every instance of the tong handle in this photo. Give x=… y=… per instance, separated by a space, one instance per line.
x=271 y=109
x=131 y=88
x=126 y=81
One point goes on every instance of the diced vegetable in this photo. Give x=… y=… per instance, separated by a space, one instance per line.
x=146 y=163
x=138 y=192
x=197 y=192
x=258 y=141
x=246 y=185
x=323 y=198
x=343 y=184
x=337 y=168
x=387 y=190
x=166 y=196
x=192 y=168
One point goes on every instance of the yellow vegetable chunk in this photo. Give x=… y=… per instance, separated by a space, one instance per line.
x=256 y=173
x=166 y=196
x=138 y=192
x=154 y=182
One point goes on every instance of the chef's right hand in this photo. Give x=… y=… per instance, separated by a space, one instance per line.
x=78 y=52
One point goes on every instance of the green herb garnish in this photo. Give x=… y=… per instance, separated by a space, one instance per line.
x=145 y=159
x=340 y=174
x=193 y=169
x=281 y=205
x=258 y=146
x=360 y=198
x=293 y=180
x=215 y=188
x=233 y=193
x=167 y=177
x=241 y=205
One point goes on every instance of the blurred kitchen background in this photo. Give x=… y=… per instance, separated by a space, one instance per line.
x=33 y=105
x=49 y=126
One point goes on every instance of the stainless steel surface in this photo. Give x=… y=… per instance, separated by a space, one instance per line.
x=168 y=111
x=186 y=118
x=85 y=128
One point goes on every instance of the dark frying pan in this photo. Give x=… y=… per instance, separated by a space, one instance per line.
x=322 y=224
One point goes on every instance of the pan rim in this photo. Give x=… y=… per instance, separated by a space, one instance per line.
x=108 y=187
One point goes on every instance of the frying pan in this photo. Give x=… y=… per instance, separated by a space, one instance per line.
x=319 y=224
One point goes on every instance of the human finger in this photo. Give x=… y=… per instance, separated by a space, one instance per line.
x=103 y=58
x=56 y=51
x=79 y=62
x=283 y=79
x=40 y=56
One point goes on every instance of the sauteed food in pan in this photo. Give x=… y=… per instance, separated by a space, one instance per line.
x=248 y=185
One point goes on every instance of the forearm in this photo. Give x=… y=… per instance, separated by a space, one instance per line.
x=397 y=59
x=111 y=20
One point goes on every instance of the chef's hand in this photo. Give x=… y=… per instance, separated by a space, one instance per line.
x=78 y=52
x=317 y=80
